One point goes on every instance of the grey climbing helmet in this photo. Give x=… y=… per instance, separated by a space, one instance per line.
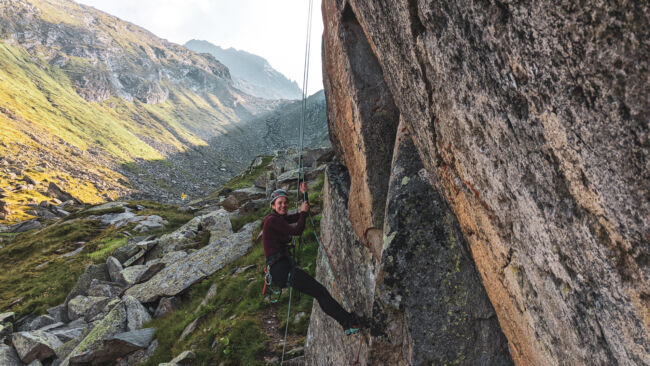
x=277 y=194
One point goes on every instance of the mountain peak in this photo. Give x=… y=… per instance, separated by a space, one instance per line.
x=251 y=73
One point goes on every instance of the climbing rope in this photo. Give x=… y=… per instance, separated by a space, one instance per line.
x=301 y=178
x=300 y=162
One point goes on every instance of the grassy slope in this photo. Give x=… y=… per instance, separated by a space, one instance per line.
x=232 y=319
x=47 y=286
x=41 y=112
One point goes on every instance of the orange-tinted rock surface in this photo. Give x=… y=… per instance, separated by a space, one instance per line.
x=532 y=121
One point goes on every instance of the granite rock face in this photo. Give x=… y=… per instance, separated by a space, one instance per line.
x=531 y=120
x=424 y=297
x=427 y=283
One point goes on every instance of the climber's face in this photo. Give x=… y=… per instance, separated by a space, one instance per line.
x=281 y=205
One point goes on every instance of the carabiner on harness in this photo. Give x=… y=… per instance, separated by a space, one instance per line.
x=267 y=284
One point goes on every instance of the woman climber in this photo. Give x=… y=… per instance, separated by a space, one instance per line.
x=276 y=235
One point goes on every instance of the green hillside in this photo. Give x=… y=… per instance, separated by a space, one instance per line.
x=84 y=96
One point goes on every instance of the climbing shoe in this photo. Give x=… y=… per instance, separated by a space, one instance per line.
x=351 y=331
x=354 y=324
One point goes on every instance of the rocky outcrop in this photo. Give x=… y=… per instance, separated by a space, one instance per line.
x=530 y=123
x=183 y=273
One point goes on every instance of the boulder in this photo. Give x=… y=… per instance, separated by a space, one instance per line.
x=113 y=323
x=55 y=192
x=288 y=179
x=131 y=248
x=118 y=219
x=135 y=258
x=93 y=271
x=147 y=244
x=5 y=211
x=180 y=275
x=8 y=317
x=230 y=203
x=107 y=206
x=70 y=332
x=105 y=289
x=46 y=214
x=115 y=347
x=131 y=275
x=260 y=182
x=49 y=328
x=86 y=307
x=252 y=206
x=5 y=331
x=35 y=345
x=151 y=269
x=283 y=162
x=167 y=305
x=183 y=237
x=140 y=356
x=136 y=314
x=185 y=358
x=8 y=356
x=216 y=222
x=152 y=222
x=25 y=226
x=60 y=313
x=41 y=321
x=114 y=268
x=246 y=194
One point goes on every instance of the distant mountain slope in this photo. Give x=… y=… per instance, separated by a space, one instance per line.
x=86 y=99
x=280 y=129
x=251 y=73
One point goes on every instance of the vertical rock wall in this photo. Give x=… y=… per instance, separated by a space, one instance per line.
x=532 y=121
x=364 y=142
x=350 y=277
x=428 y=291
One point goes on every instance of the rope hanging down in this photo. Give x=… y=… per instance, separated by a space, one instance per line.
x=300 y=172
x=301 y=178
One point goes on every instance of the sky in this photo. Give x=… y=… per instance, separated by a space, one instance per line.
x=273 y=29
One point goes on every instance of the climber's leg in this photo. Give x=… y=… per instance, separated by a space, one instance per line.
x=304 y=283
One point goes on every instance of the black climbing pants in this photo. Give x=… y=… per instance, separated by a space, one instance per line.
x=306 y=284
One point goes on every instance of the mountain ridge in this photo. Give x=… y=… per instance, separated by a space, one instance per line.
x=251 y=73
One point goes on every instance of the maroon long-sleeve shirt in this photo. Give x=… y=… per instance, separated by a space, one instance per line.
x=277 y=231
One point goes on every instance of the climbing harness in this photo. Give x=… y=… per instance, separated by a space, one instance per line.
x=268 y=279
